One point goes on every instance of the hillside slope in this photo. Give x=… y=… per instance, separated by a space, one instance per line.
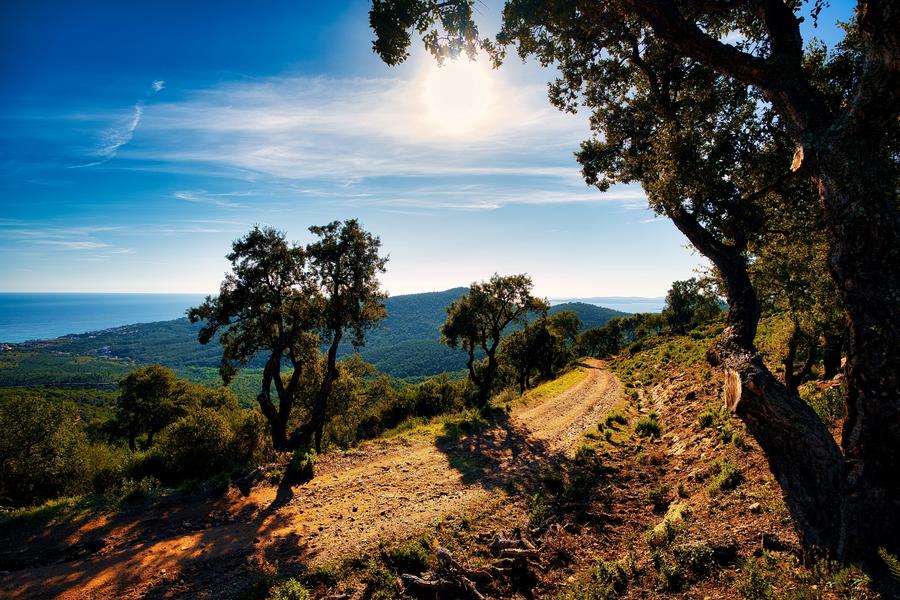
x=405 y=344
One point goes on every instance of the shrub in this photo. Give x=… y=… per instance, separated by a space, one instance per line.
x=828 y=403
x=615 y=417
x=737 y=438
x=540 y=509
x=196 y=446
x=648 y=426
x=135 y=491
x=411 y=557
x=706 y=418
x=290 y=589
x=726 y=477
x=303 y=464
x=659 y=497
x=611 y=575
x=698 y=559
x=43 y=451
x=586 y=457
x=753 y=583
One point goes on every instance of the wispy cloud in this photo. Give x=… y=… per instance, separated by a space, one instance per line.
x=215 y=199
x=113 y=138
x=41 y=239
x=345 y=131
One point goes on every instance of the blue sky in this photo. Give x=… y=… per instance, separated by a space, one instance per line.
x=137 y=140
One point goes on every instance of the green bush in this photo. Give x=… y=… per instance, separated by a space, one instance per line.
x=540 y=509
x=290 y=589
x=411 y=557
x=196 y=446
x=698 y=558
x=586 y=457
x=706 y=418
x=303 y=464
x=615 y=417
x=648 y=426
x=828 y=403
x=725 y=477
x=44 y=453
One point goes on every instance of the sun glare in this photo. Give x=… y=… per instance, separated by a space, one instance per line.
x=458 y=96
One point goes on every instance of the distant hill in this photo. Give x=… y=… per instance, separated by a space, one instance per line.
x=406 y=344
x=627 y=304
x=591 y=315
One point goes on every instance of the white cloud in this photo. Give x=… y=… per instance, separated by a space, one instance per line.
x=204 y=197
x=320 y=134
x=113 y=138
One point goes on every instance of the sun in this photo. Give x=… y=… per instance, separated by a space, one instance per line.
x=458 y=96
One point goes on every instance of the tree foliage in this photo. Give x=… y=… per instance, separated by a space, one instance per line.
x=689 y=303
x=283 y=300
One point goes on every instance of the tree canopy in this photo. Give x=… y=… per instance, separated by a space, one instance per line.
x=284 y=300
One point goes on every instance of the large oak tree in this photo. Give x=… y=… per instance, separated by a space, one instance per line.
x=711 y=129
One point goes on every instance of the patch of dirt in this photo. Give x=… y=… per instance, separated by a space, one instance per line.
x=384 y=491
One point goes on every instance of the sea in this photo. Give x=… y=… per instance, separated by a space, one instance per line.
x=38 y=316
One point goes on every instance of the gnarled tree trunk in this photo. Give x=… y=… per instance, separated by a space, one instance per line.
x=860 y=204
x=802 y=454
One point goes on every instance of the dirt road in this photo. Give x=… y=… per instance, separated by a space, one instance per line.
x=383 y=491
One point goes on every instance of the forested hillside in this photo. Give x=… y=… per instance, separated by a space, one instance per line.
x=406 y=344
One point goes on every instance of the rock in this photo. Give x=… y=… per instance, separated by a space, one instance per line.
x=755 y=507
x=692 y=395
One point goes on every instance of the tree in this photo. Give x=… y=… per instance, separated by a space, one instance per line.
x=344 y=264
x=265 y=305
x=476 y=322
x=601 y=341
x=545 y=344
x=42 y=450
x=841 y=138
x=284 y=300
x=146 y=402
x=689 y=303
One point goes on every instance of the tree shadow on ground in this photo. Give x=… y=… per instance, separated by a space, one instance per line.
x=494 y=451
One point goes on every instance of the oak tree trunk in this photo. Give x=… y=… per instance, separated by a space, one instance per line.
x=860 y=204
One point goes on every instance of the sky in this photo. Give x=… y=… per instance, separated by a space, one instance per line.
x=138 y=140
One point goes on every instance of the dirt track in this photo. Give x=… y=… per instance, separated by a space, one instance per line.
x=384 y=491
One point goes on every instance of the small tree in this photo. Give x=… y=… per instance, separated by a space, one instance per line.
x=601 y=341
x=477 y=321
x=522 y=350
x=147 y=403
